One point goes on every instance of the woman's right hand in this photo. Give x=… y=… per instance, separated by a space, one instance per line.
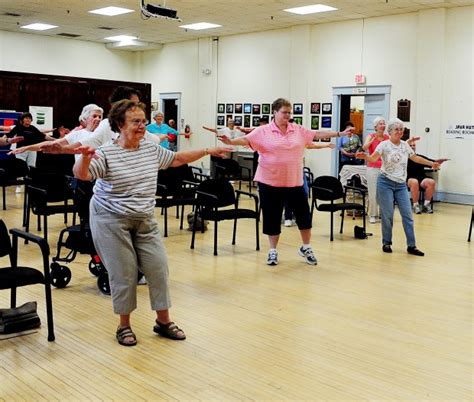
x=225 y=139
x=361 y=155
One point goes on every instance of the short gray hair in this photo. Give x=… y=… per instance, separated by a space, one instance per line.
x=377 y=120
x=394 y=123
x=88 y=110
x=156 y=113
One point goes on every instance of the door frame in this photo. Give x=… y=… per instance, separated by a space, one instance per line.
x=337 y=92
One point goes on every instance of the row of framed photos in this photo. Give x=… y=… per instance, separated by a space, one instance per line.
x=265 y=108
x=253 y=121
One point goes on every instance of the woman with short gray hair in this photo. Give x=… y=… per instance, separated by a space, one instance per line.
x=391 y=184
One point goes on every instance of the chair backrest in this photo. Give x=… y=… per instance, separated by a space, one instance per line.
x=329 y=183
x=55 y=184
x=173 y=178
x=221 y=188
x=58 y=164
x=14 y=168
x=228 y=167
x=5 y=243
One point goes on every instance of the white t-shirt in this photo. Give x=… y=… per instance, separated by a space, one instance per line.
x=78 y=136
x=104 y=134
x=231 y=134
x=394 y=160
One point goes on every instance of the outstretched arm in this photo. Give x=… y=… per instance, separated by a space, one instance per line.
x=236 y=141
x=8 y=141
x=183 y=157
x=423 y=161
x=81 y=167
x=318 y=134
x=369 y=158
x=212 y=130
x=321 y=146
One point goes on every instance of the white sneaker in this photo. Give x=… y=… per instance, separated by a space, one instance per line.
x=288 y=223
x=417 y=209
x=373 y=219
x=272 y=257
x=142 y=281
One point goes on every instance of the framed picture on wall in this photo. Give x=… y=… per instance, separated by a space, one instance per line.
x=227 y=118
x=220 y=108
x=267 y=117
x=316 y=108
x=229 y=108
x=256 y=108
x=298 y=120
x=326 y=122
x=247 y=108
x=314 y=122
x=238 y=120
x=297 y=108
x=247 y=120
x=265 y=108
x=220 y=120
x=255 y=121
x=326 y=108
x=238 y=108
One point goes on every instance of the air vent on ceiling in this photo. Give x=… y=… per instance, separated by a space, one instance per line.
x=12 y=14
x=106 y=28
x=68 y=35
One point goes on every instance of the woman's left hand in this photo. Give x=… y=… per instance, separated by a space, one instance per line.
x=348 y=130
x=87 y=152
x=220 y=151
x=360 y=155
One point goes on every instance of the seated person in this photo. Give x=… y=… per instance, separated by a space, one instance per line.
x=416 y=178
x=348 y=146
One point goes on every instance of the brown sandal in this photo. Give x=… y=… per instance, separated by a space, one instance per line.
x=170 y=331
x=123 y=333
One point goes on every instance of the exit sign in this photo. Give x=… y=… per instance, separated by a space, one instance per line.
x=360 y=79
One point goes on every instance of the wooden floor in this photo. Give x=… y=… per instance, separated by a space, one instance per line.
x=361 y=325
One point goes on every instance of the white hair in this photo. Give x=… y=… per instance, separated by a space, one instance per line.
x=88 y=110
x=156 y=113
x=394 y=123
x=377 y=120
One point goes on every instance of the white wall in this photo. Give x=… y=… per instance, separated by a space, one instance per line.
x=425 y=57
x=42 y=54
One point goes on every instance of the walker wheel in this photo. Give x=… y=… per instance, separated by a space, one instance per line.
x=103 y=283
x=60 y=275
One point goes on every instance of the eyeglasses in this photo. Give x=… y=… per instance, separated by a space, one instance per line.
x=137 y=122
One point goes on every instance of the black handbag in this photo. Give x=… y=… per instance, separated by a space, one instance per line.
x=19 y=318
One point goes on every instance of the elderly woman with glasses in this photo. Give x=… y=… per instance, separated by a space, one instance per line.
x=391 y=184
x=122 y=220
x=281 y=147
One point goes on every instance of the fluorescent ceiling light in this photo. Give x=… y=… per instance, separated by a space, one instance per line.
x=200 y=25
x=39 y=27
x=111 y=11
x=315 y=8
x=121 y=38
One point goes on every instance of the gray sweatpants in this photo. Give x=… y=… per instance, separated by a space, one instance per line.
x=125 y=245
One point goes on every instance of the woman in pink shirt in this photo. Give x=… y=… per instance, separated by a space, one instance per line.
x=281 y=146
x=373 y=168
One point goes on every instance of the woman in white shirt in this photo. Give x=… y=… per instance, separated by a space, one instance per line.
x=391 y=184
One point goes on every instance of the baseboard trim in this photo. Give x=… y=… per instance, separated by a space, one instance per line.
x=454 y=198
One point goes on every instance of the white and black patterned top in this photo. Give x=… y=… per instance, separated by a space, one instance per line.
x=126 y=179
x=394 y=160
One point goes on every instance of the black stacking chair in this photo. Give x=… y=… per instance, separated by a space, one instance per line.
x=12 y=172
x=231 y=170
x=330 y=190
x=15 y=276
x=218 y=201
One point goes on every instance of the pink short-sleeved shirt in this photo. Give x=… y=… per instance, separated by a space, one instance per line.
x=377 y=164
x=280 y=162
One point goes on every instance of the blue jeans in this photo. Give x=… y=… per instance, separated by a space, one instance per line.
x=389 y=191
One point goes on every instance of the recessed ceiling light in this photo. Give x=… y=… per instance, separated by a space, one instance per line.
x=120 y=38
x=315 y=8
x=200 y=25
x=39 y=27
x=111 y=11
